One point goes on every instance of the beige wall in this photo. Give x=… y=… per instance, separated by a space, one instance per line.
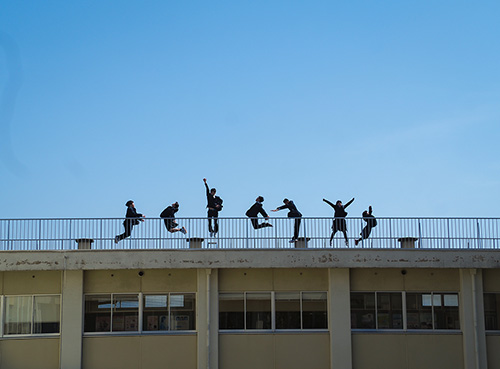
x=492 y=347
x=20 y=283
x=410 y=351
x=273 y=280
x=438 y=280
x=139 y=352
x=42 y=353
x=119 y=281
x=491 y=280
x=274 y=351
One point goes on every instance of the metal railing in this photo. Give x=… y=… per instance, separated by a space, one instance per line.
x=238 y=233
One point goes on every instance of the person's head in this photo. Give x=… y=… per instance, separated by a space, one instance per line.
x=286 y=201
x=365 y=213
x=175 y=205
x=259 y=199
x=129 y=204
x=213 y=191
x=338 y=203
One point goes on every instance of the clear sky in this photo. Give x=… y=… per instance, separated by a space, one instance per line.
x=395 y=103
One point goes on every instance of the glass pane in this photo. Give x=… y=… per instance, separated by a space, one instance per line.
x=314 y=310
x=389 y=310
x=287 y=310
x=18 y=314
x=46 y=314
x=155 y=313
x=419 y=311
x=363 y=310
x=436 y=300
x=446 y=317
x=97 y=313
x=182 y=311
x=125 y=313
x=231 y=311
x=258 y=310
x=492 y=311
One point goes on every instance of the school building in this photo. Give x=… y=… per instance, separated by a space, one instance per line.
x=418 y=294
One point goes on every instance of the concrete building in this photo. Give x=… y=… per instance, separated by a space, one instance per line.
x=287 y=308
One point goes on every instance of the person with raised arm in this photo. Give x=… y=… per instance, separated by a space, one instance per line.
x=339 y=223
x=214 y=205
x=132 y=218
x=254 y=211
x=292 y=213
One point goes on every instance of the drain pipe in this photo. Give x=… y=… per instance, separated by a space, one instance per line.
x=209 y=272
x=473 y=273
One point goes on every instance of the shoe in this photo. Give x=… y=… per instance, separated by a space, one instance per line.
x=116 y=239
x=356 y=242
x=347 y=243
x=268 y=224
x=293 y=240
x=183 y=230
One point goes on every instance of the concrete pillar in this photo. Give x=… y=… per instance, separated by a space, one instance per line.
x=407 y=242
x=71 y=320
x=302 y=242
x=472 y=319
x=207 y=319
x=195 y=242
x=339 y=313
x=84 y=243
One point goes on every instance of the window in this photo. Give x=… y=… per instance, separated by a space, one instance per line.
x=121 y=312
x=254 y=310
x=376 y=310
x=38 y=314
x=432 y=310
x=384 y=310
x=492 y=311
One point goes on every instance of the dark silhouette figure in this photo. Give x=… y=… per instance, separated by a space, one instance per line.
x=168 y=216
x=132 y=219
x=370 y=223
x=254 y=211
x=293 y=213
x=214 y=205
x=339 y=223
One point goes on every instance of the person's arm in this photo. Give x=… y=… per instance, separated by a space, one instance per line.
x=206 y=186
x=280 y=207
x=349 y=203
x=370 y=210
x=329 y=203
x=263 y=212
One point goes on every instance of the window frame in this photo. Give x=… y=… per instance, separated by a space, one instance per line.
x=492 y=331
x=3 y=312
x=140 y=321
x=273 y=328
x=405 y=313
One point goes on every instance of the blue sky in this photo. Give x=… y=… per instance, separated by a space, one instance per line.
x=394 y=103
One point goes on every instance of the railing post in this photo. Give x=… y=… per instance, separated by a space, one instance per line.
x=419 y=235
x=8 y=234
x=39 y=233
x=478 y=234
x=449 y=237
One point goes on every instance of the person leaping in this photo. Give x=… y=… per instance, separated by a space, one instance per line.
x=339 y=223
x=370 y=223
x=254 y=211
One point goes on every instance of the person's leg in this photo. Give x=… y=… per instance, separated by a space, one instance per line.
x=216 y=222
x=255 y=223
x=210 y=229
x=345 y=237
x=296 y=228
x=128 y=231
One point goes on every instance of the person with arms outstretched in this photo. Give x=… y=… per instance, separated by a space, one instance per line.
x=370 y=223
x=214 y=205
x=293 y=213
x=132 y=219
x=169 y=219
x=254 y=211
x=339 y=223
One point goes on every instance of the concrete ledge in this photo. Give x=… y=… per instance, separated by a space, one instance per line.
x=202 y=258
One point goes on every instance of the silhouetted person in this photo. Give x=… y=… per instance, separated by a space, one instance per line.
x=370 y=223
x=214 y=205
x=254 y=211
x=339 y=223
x=168 y=216
x=132 y=219
x=293 y=213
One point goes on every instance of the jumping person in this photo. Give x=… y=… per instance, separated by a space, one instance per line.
x=132 y=218
x=214 y=205
x=168 y=217
x=254 y=211
x=293 y=213
x=370 y=223
x=339 y=223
